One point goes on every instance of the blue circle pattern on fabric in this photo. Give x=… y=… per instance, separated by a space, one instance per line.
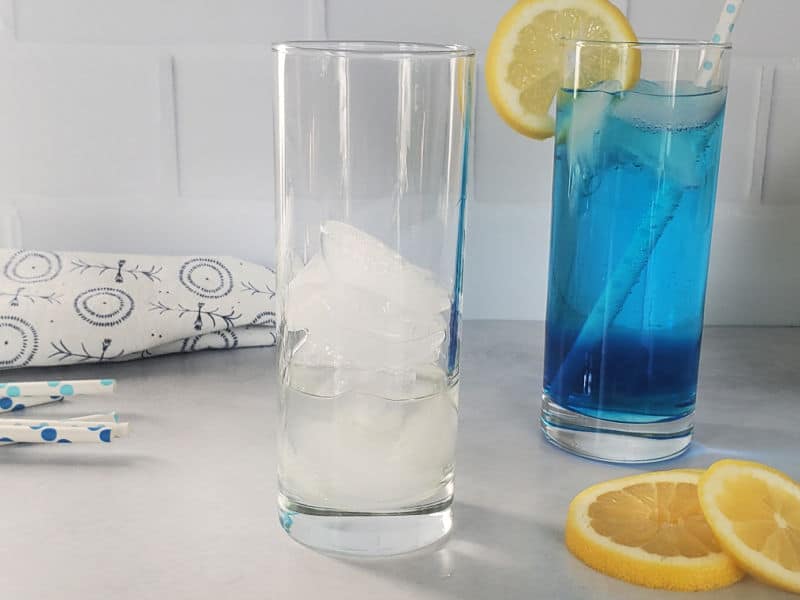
x=6 y=403
x=12 y=391
x=105 y=435
x=213 y=340
x=66 y=390
x=708 y=65
x=18 y=407
x=104 y=306
x=206 y=277
x=716 y=39
x=21 y=340
x=49 y=434
x=106 y=382
x=32 y=266
x=731 y=8
x=53 y=383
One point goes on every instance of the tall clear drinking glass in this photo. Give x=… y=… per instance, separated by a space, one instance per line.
x=635 y=181
x=372 y=154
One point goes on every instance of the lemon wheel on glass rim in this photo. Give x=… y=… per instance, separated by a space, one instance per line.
x=524 y=61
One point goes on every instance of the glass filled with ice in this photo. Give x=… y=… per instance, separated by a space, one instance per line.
x=635 y=179
x=372 y=154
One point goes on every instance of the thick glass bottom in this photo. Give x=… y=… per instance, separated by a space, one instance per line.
x=365 y=534
x=613 y=441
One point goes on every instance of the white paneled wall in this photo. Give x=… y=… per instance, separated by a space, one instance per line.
x=223 y=104
x=157 y=21
x=145 y=125
x=65 y=131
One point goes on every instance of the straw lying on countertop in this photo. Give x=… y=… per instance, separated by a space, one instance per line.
x=99 y=428
x=108 y=419
x=61 y=432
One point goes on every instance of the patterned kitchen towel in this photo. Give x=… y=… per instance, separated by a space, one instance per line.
x=74 y=307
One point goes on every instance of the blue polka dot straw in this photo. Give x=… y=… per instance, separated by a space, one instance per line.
x=11 y=404
x=62 y=432
x=722 y=35
x=108 y=419
x=39 y=389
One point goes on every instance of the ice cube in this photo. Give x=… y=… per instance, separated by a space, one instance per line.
x=315 y=272
x=361 y=260
x=660 y=124
x=316 y=299
x=352 y=314
x=347 y=327
x=405 y=446
x=335 y=344
x=361 y=451
x=583 y=131
x=647 y=86
x=653 y=105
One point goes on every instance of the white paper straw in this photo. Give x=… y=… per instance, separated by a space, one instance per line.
x=8 y=404
x=85 y=387
x=118 y=429
x=61 y=432
x=111 y=417
x=709 y=64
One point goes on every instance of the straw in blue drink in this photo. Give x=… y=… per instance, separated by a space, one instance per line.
x=709 y=63
x=647 y=235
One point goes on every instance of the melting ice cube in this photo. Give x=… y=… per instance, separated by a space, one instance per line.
x=361 y=305
x=361 y=260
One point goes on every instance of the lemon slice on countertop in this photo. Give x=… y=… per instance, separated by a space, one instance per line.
x=754 y=512
x=649 y=530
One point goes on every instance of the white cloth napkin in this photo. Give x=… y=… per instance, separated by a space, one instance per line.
x=78 y=307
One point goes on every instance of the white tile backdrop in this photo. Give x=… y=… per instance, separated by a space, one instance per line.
x=144 y=125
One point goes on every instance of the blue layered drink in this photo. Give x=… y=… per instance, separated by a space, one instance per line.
x=634 y=186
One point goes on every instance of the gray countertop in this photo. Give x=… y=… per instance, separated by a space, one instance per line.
x=185 y=507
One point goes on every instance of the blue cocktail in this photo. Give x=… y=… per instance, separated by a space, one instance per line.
x=633 y=201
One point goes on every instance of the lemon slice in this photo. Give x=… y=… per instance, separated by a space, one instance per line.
x=649 y=530
x=524 y=62
x=755 y=513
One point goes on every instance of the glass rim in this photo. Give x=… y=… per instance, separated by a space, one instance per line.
x=655 y=43
x=374 y=48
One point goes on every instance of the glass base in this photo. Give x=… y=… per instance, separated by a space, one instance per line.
x=612 y=441
x=365 y=534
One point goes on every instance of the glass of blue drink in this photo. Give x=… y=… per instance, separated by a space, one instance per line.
x=635 y=179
